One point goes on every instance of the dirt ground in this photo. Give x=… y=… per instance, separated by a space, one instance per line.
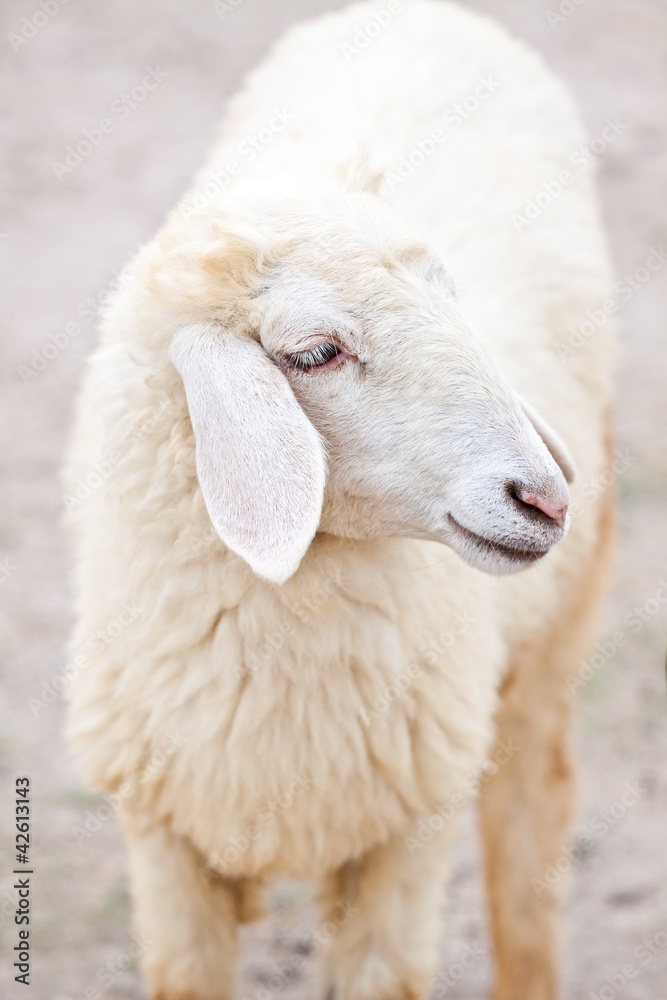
x=63 y=239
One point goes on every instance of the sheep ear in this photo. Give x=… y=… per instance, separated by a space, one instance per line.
x=554 y=444
x=260 y=462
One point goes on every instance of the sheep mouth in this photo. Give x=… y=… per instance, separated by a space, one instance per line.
x=524 y=554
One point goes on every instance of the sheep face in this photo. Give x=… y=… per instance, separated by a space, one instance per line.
x=357 y=401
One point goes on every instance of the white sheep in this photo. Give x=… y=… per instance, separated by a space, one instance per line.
x=319 y=483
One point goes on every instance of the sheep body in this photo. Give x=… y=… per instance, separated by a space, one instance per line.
x=322 y=718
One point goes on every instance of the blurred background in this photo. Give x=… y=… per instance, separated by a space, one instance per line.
x=64 y=235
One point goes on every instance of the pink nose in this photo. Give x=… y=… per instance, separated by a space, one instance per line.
x=554 y=508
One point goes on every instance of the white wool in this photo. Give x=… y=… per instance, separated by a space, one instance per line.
x=271 y=680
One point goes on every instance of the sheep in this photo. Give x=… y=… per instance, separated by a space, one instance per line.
x=341 y=427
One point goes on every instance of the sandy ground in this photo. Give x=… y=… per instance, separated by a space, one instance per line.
x=63 y=240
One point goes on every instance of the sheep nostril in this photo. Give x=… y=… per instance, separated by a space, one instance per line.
x=551 y=507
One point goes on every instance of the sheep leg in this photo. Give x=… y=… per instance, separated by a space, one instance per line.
x=525 y=813
x=186 y=917
x=381 y=925
x=526 y=807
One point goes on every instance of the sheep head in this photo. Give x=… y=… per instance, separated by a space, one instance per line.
x=336 y=388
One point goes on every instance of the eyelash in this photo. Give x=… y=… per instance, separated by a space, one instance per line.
x=317 y=357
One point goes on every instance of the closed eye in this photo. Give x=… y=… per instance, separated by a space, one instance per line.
x=321 y=356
